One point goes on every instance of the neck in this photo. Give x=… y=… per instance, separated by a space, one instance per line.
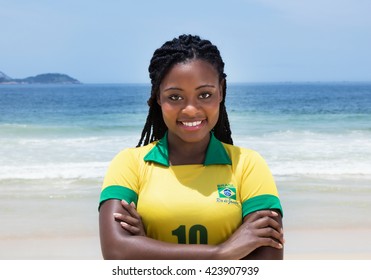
x=181 y=153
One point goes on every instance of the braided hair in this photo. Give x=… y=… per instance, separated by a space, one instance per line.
x=183 y=48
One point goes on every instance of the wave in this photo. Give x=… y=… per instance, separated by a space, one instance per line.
x=75 y=171
x=313 y=153
x=63 y=130
x=287 y=152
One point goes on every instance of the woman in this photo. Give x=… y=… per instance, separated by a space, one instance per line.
x=197 y=195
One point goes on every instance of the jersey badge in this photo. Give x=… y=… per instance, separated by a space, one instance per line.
x=227 y=191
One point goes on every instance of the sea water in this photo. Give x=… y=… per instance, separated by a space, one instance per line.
x=56 y=142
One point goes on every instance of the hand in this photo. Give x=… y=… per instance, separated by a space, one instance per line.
x=131 y=221
x=261 y=228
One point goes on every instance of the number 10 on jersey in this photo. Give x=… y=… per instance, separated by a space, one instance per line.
x=197 y=234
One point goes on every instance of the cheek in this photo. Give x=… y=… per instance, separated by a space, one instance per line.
x=214 y=113
x=168 y=113
x=216 y=116
x=165 y=108
x=213 y=108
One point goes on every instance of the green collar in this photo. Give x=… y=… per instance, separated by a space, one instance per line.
x=215 y=154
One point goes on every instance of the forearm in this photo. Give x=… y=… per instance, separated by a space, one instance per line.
x=259 y=237
x=140 y=247
x=117 y=243
x=265 y=253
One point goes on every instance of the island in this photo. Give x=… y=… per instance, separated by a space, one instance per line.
x=48 y=78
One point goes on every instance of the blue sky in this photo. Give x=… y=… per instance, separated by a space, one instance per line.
x=112 y=41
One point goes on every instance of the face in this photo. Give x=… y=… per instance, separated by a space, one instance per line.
x=190 y=95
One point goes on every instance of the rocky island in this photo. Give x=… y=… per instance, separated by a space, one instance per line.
x=48 y=78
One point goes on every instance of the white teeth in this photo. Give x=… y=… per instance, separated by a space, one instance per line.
x=192 y=123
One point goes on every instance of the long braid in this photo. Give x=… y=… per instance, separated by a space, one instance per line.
x=185 y=47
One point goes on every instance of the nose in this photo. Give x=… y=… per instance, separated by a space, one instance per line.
x=191 y=108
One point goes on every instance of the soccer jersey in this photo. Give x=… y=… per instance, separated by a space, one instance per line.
x=195 y=203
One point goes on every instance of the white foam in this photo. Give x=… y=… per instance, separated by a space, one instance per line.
x=286 y=152
x=308 y=153
x=84 y=170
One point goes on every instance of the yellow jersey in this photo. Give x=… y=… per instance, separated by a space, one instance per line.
x=196 y=203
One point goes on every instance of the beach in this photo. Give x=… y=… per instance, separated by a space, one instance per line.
x=56 y=143
x=330 y=227
x=73 y=234
x=69 y=229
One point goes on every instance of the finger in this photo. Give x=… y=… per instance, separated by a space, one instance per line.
x=260 y=214
x=122 y=218
x=271 y=233
x=270 y=226
x=262 y=232
x=130 y=208
x=132 y=229
x=265 y=227
x=271 y=242
x=128 y=222
x=268 y=222
x=133 y=221
x=118 y=216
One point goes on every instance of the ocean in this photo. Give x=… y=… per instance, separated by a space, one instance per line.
x=56 y=142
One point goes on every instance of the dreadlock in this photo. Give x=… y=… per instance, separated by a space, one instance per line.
x=180 y=49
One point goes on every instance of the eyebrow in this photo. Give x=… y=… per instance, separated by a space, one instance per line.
x=205 y=86
x=172 y=88
x=197 y=88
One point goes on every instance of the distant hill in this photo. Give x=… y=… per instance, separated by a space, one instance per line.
x=48 y=78
x=4 y=78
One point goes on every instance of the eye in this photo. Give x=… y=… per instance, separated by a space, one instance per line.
x=204 y=95
x=175 y=97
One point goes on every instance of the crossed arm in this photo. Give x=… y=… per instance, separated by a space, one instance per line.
x=123 y=236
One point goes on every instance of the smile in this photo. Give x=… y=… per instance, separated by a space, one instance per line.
x=192 y=124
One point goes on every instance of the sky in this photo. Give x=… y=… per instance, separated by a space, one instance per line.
x=112 y=41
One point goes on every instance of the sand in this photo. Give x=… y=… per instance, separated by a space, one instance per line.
x=347 y=244
x=318 y=226
x=301 y=244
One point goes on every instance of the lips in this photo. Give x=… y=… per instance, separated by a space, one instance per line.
x=191 y=124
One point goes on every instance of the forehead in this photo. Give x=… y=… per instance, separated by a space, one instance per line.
x=195 y=69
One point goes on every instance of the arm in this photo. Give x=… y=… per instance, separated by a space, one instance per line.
x=259 y=191
x=127 y=241
x=119 y=243
x=266 y=252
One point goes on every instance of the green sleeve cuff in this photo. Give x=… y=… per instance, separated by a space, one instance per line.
x=261 y=202
x=118 y=192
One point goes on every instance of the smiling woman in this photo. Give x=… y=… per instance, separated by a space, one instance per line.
x=188 y=193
